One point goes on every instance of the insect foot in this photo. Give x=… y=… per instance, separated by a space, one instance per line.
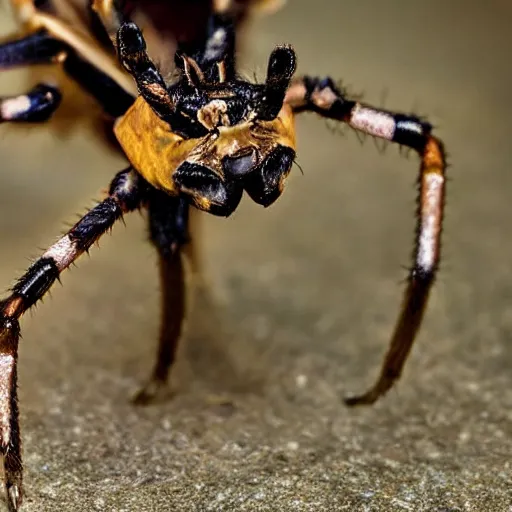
x=9 y=427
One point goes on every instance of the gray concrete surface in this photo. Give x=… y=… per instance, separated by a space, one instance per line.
x=303 y=297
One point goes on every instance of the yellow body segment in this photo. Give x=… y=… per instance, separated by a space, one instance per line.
x=150 y=145
x=155 y=151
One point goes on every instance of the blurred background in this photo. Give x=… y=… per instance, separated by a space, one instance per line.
x=302 y=296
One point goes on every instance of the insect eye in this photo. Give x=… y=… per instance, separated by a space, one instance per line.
x=265 y=183
x=239 y=165
x=207 y=190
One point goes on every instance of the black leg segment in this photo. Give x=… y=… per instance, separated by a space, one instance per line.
x=169 y=231
x=218 y=59
x=325 y=98
x=132 y=54
x=114 y=100
x=37 y=48
x=38 y=105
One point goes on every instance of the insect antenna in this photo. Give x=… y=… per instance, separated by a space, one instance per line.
x=299 y=166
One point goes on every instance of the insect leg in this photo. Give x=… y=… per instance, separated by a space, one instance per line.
x=37 y=105
x=110 y=13
x=132 y=53
x=36 y=48
x=42 y=101
x=218 y=59
x=126 y=193
x=169 y=232
x=324 y=98
x=113 y=99
x=220 y=40
x=42 y=48
x=131 y=49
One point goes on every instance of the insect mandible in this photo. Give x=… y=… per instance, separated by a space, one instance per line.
x=199 y=140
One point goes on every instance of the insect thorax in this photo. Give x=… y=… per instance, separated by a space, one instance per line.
x=213 y=169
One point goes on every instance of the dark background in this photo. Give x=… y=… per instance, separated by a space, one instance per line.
x=303 y=296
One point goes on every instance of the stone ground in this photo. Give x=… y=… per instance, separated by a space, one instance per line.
x=302 y=299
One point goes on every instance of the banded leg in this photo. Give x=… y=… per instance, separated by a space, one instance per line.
x=169 y=232
x=42 y=48
x=322 y=97
x=36 y=19
x=126 y=193
x=38 y=105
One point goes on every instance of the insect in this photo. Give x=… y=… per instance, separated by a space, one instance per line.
x=199 y=139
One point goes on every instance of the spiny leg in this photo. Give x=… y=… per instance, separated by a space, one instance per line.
x=323 y=97
x=169 y=232
x=126 y=193
x=10 y=442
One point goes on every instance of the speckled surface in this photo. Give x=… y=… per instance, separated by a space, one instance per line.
x=303 y=297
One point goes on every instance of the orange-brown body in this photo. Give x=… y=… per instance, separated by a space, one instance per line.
x=156 y=151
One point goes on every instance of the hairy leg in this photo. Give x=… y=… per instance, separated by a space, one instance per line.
x=324 y=98
x=127 y=191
